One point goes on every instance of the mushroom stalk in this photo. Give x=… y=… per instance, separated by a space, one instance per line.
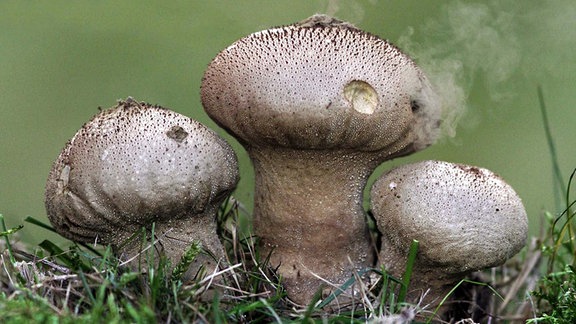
x=295 y=214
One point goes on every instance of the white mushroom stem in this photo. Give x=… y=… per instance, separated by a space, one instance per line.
x=308 y=211
x=466 y=219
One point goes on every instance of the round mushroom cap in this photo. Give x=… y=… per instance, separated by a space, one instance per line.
x=133 y=165
x=466 y=218
x=320 y=84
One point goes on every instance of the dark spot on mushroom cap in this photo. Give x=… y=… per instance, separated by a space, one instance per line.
x=415 y=105
x=177 y=133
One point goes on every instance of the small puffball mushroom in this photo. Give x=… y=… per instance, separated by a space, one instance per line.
x=318 y=105
x=136 y=165
x=465 y=219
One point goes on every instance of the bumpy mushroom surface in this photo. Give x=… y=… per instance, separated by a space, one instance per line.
x=318 y=105
x=466 y=219
x=135 y=165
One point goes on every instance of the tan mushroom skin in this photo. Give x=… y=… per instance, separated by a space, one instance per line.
x=465 y=218
x=318 y=105
x=136 y=165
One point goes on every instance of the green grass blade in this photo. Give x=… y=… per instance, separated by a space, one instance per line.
x=559 y=188
x=571 y=245
x=561 y=192
x=311 y=306
x=34 y=221
x=386 y=291
x=277 y=318
x=338 y=292
x=218 y=316
x=186 y=260
x=6 y=232
x=69 y=261
x=408 y=271
x=565 y=230
x=87 y=287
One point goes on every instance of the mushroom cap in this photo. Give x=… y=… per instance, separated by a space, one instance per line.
x=466 y=218
x=133 y=165
x=320 y=84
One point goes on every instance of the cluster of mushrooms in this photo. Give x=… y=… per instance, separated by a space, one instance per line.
x=318 y=105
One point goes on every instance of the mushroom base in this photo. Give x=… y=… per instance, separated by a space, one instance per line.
x=309 y=217
x=429 y=284
x=171 y=240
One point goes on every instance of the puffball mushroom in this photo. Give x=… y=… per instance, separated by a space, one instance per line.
x=318 y=105
x=465 y=219
x=136 y=165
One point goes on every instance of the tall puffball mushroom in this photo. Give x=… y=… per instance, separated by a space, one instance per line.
x=465 y=219
x=318 y=105
x=136 y=165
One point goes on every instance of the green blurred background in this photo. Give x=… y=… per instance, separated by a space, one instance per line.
x=61 y=60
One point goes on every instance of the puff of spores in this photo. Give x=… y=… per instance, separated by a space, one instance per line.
x=136 y=165
x=318 y=105
x=465 y=218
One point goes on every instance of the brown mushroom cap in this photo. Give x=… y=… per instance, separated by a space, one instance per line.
x=134 y=165
x=318 y=85
x=466 y=219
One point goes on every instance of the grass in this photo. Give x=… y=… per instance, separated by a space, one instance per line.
x=556 y=292
x=78 y=283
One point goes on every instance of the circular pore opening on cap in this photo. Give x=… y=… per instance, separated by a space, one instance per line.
x=361 y=96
